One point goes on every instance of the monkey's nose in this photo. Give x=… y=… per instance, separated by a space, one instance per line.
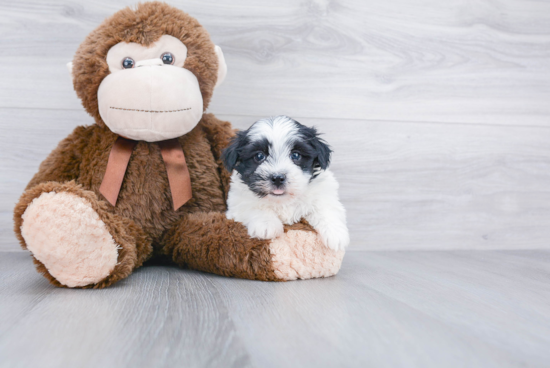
x=149 y=62
x=278 y=179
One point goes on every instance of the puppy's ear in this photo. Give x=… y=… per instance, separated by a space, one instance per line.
x=321 y=149
x=230 y=155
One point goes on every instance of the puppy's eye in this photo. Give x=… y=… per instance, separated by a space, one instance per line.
x=259 y=157
x=128 y=63
x=295 y=156
x=168 y=58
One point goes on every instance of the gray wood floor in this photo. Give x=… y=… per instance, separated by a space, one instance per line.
x=384 y=309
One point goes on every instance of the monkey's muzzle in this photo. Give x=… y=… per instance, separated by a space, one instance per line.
x=151 y=102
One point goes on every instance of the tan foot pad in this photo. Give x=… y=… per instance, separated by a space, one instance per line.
x=63 y=231
x=301 y=255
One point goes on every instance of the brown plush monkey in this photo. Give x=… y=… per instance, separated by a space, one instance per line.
x=146 y=179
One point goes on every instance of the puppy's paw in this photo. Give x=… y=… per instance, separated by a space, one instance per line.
x=334 y=236
x=263 y=229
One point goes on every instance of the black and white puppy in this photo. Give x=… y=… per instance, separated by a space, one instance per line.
x=281 y=176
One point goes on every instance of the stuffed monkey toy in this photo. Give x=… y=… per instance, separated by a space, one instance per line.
x=146 y=180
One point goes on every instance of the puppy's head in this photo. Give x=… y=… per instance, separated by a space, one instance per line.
x=277 y=157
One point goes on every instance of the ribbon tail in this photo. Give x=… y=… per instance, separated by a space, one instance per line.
x=116 y=168
x=178 y=173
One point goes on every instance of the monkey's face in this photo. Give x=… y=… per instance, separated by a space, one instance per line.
x=148 y=72
x=148 y=94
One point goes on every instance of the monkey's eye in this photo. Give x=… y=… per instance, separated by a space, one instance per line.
x=259 y=157
x=295 y=156
x=167 y=58
x=128 y=63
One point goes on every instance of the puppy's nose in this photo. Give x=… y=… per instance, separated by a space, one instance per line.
x=278 y=179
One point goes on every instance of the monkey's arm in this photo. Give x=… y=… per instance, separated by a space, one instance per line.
x=210 y=242
x=219 y=134
x=60 y=167
x=63 y=163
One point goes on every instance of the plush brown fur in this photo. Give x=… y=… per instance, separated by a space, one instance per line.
x=143 y=223
x=200 y=247
x=144 y=204
x=248 y=259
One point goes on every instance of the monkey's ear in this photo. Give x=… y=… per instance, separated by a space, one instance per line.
x=222 y=66
x=70 y=67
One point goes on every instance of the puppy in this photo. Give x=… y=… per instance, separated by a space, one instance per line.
x=280 y=175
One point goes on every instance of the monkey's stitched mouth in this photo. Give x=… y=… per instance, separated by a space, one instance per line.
x=151 y=111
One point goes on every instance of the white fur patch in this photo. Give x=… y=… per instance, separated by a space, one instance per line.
x=317 y=202
x=64 y=233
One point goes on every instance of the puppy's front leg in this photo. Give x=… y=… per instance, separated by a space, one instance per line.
x=262 y=224
x=329 y=220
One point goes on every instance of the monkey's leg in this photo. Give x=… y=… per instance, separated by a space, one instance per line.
x=74 y=241
x=212 y=243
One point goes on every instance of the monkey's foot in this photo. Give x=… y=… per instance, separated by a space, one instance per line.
x=299 y=254
x=66 y=234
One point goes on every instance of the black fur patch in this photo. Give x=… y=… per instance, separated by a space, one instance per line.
x=317 y=150
x=239 y=155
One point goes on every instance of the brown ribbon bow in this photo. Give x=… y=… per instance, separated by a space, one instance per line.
x=174 y=160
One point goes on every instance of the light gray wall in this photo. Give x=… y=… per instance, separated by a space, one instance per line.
x=439 y=111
